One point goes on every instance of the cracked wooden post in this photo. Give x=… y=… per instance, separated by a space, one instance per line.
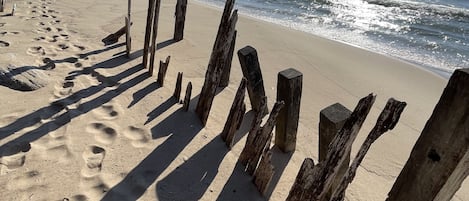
x=215 y=65
x=162 y=71
x=177 y=89
x=387 y=120
x=322 y=175
x=265 y=172
x=148 y=31
x=225 y=77
x=154 y=34
x=289 y=86
x=187 y=97
x=235 y=117
x=331 y=120
x=181 y=7
x=252 y=72
x=438 y=163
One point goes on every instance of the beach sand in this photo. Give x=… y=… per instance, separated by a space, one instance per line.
x=102 y=129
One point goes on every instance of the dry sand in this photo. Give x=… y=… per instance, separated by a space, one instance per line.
x=103 y=129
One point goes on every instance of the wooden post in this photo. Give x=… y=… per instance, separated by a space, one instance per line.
x=13 y=10
x=264 y=173
x=324 y=173
x=127 y=36
x=225 y=77
x=181 y=7
x=331 y=120
x=162 y=71
x=252 y=72
x=155 y=33
x=262 y=139
x=302 y=181
x=148 y=31
x=248 y=149
x=289 y=86
x=114 y=37
x=187 y=98
x=177 y=89
x=215 y=66
x=438 y=163
x=387 y=120
x=2 y=4
x=235 y=117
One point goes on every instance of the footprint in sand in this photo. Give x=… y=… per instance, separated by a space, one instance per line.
x=108 y=111
x=93 y=156
x=139 y=136
x=53 y=146
x=63 y=89
x=36 y=50
x=103 y=133
x=77 y=198
x=14 y=156
x=26 y=182
x=4 y=43
x=94 y=187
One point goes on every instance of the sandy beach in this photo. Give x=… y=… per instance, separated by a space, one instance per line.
x=102 y=129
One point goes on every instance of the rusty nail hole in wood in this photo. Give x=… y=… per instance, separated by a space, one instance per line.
x=434 y=155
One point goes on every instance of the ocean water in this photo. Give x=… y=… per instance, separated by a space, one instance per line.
x=430 y=33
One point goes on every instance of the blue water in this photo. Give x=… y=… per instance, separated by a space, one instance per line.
x=431 y=33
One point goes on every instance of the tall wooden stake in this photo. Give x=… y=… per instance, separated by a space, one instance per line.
x=187 y=98
x=438 y=163
x=177 y=89
x=2 y=4
x=155 y=33
x=128 y=23
x=225 y=77
x=181 y=7
x=265 y=172
x=162 y=71
x=235 y=117
x=148 y=31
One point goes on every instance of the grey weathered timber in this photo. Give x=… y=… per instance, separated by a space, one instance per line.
x=181 y=8
x=264 y=173
x=387 y=120
x=187 y=97
x=289 y=88
x=263 y=138
x=127 y=37
x=214 y=69
x=235 y=117
x=302 y=181
x=248 y=149
x=225 y=77
x=331 y=120
x=323 y=174
x=177 y=89
x=438 y=163
x=148 y=31
x=252 y=72
x=162 y=71
x=154 y=34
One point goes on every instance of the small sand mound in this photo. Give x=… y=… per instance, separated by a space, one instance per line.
x=24 y=78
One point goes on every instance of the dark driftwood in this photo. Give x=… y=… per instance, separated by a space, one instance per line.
x=324 y=173
x=214 y=69
x=225 y=77
x=127 y=36
x=264 y=173
x=252 y=72
x=187 y=98
x=331 y=120
x=162 y=71
x=235 y=117
x=289 y=86
x=148 y=31
x=303 y=179
x=177 y=89
x=154 y=33
x=114 y=37
x=386 y=121
x=262 y=139
x=181 y=7
x=438 y=163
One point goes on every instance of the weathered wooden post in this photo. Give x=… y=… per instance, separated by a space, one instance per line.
x=148 y=31
x=248 y=149
x=177 y=89
x=319 y=181
x=302 y=181
x=2 y=4
x=289 y=86
x=387 y=120
x=162 y=71
x=215 y=66
x=181 y=7
x=225 y=77
x=331 y=120
x=128 y=22
x=13 y=10
x=264 y=173
x=187 y=98
x=252 y=72
x=235 y=117
x=155 y=33
x=438 y=163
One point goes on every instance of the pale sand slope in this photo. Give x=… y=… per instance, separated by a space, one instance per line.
x=120 y=132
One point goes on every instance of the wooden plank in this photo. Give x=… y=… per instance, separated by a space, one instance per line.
x=153 y=45
x=331 y=120
x=177 y=89
x=148 y=31
x=387 y=120
x=162 y=71
x=235 y=117
x=252 y=72
x=264 y=173
x=302 y=181
x=289 y=88
x=438 y=163
x=225 y=77
x=187 y=97
x=181 y=8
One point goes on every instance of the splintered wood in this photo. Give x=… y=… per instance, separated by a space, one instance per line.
x=235 y=117
x=187 y=97
x=162 y=71
x=177 y=88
